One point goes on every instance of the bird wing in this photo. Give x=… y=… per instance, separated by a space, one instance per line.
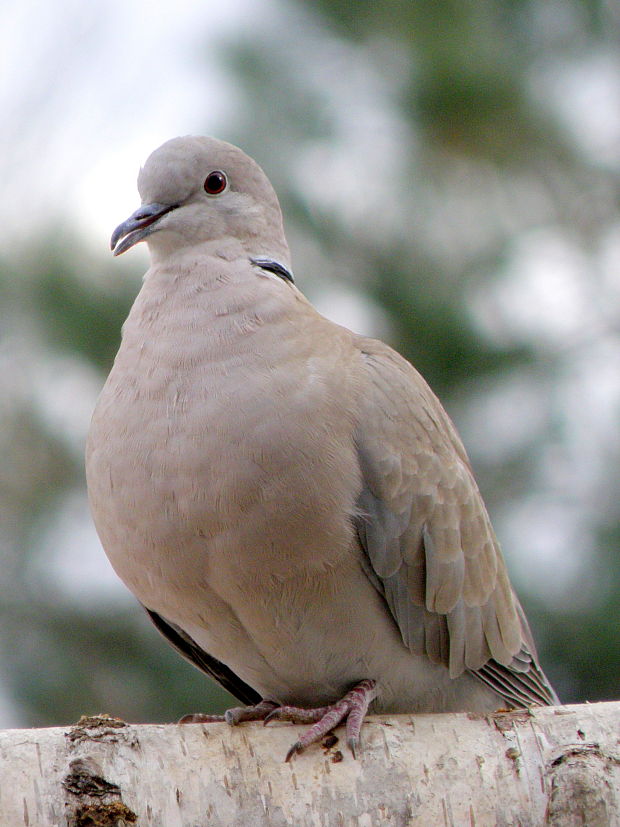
x=429 y=546
x=190 y=650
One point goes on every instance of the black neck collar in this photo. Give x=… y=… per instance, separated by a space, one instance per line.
x=274 y=267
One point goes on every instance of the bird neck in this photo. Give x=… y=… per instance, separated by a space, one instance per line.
x=228 y=296
x=167 y=254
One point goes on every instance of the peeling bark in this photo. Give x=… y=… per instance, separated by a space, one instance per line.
x=547 y=766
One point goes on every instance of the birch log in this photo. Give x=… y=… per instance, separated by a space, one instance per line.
x=546 y=766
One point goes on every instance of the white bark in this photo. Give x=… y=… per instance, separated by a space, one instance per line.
x=557 y=766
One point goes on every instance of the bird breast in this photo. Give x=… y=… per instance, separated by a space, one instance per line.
x=209 y=454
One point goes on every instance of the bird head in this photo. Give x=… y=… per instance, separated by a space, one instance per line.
x=196 y=190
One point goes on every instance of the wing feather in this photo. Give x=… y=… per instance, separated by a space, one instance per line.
x=431 y=550
x=190 y=650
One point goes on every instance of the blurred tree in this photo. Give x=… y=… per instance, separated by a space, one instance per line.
x=430 y=175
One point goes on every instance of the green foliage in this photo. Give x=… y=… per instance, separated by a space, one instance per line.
x=77 y=314
x=431 y=326
x=69 y=661
x=584 y=644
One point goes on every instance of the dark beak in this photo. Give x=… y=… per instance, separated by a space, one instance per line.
x=138 y=226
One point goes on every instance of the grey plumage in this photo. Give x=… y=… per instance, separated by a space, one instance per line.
x=289 y=500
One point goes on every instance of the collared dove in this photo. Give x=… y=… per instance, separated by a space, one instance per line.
x=287 y=499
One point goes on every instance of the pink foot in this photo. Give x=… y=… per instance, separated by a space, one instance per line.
x=353 y=706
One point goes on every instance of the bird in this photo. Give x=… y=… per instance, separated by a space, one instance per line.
x=287 y=499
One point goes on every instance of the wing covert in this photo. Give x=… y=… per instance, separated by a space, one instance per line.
x=430 y=548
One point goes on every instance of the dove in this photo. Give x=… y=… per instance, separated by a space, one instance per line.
x=287 y=499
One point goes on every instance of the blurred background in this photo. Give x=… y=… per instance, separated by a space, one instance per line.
x=450 y=177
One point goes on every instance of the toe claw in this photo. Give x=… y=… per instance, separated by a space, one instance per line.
x=273 y=715
x=294 y=750
x=353 y=744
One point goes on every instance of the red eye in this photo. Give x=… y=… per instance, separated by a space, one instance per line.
x=215 y=183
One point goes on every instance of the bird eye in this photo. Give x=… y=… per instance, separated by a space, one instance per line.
x=215 y=183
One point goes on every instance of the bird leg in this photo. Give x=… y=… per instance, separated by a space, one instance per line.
x=353 y=706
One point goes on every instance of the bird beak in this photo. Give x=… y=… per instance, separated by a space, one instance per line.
x=140 y=224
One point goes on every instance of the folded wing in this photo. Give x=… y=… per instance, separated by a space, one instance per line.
x=429 y=546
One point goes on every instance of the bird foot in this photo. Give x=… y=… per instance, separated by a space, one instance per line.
x=352 y=707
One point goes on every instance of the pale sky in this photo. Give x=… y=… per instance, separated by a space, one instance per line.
x=87 y=90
